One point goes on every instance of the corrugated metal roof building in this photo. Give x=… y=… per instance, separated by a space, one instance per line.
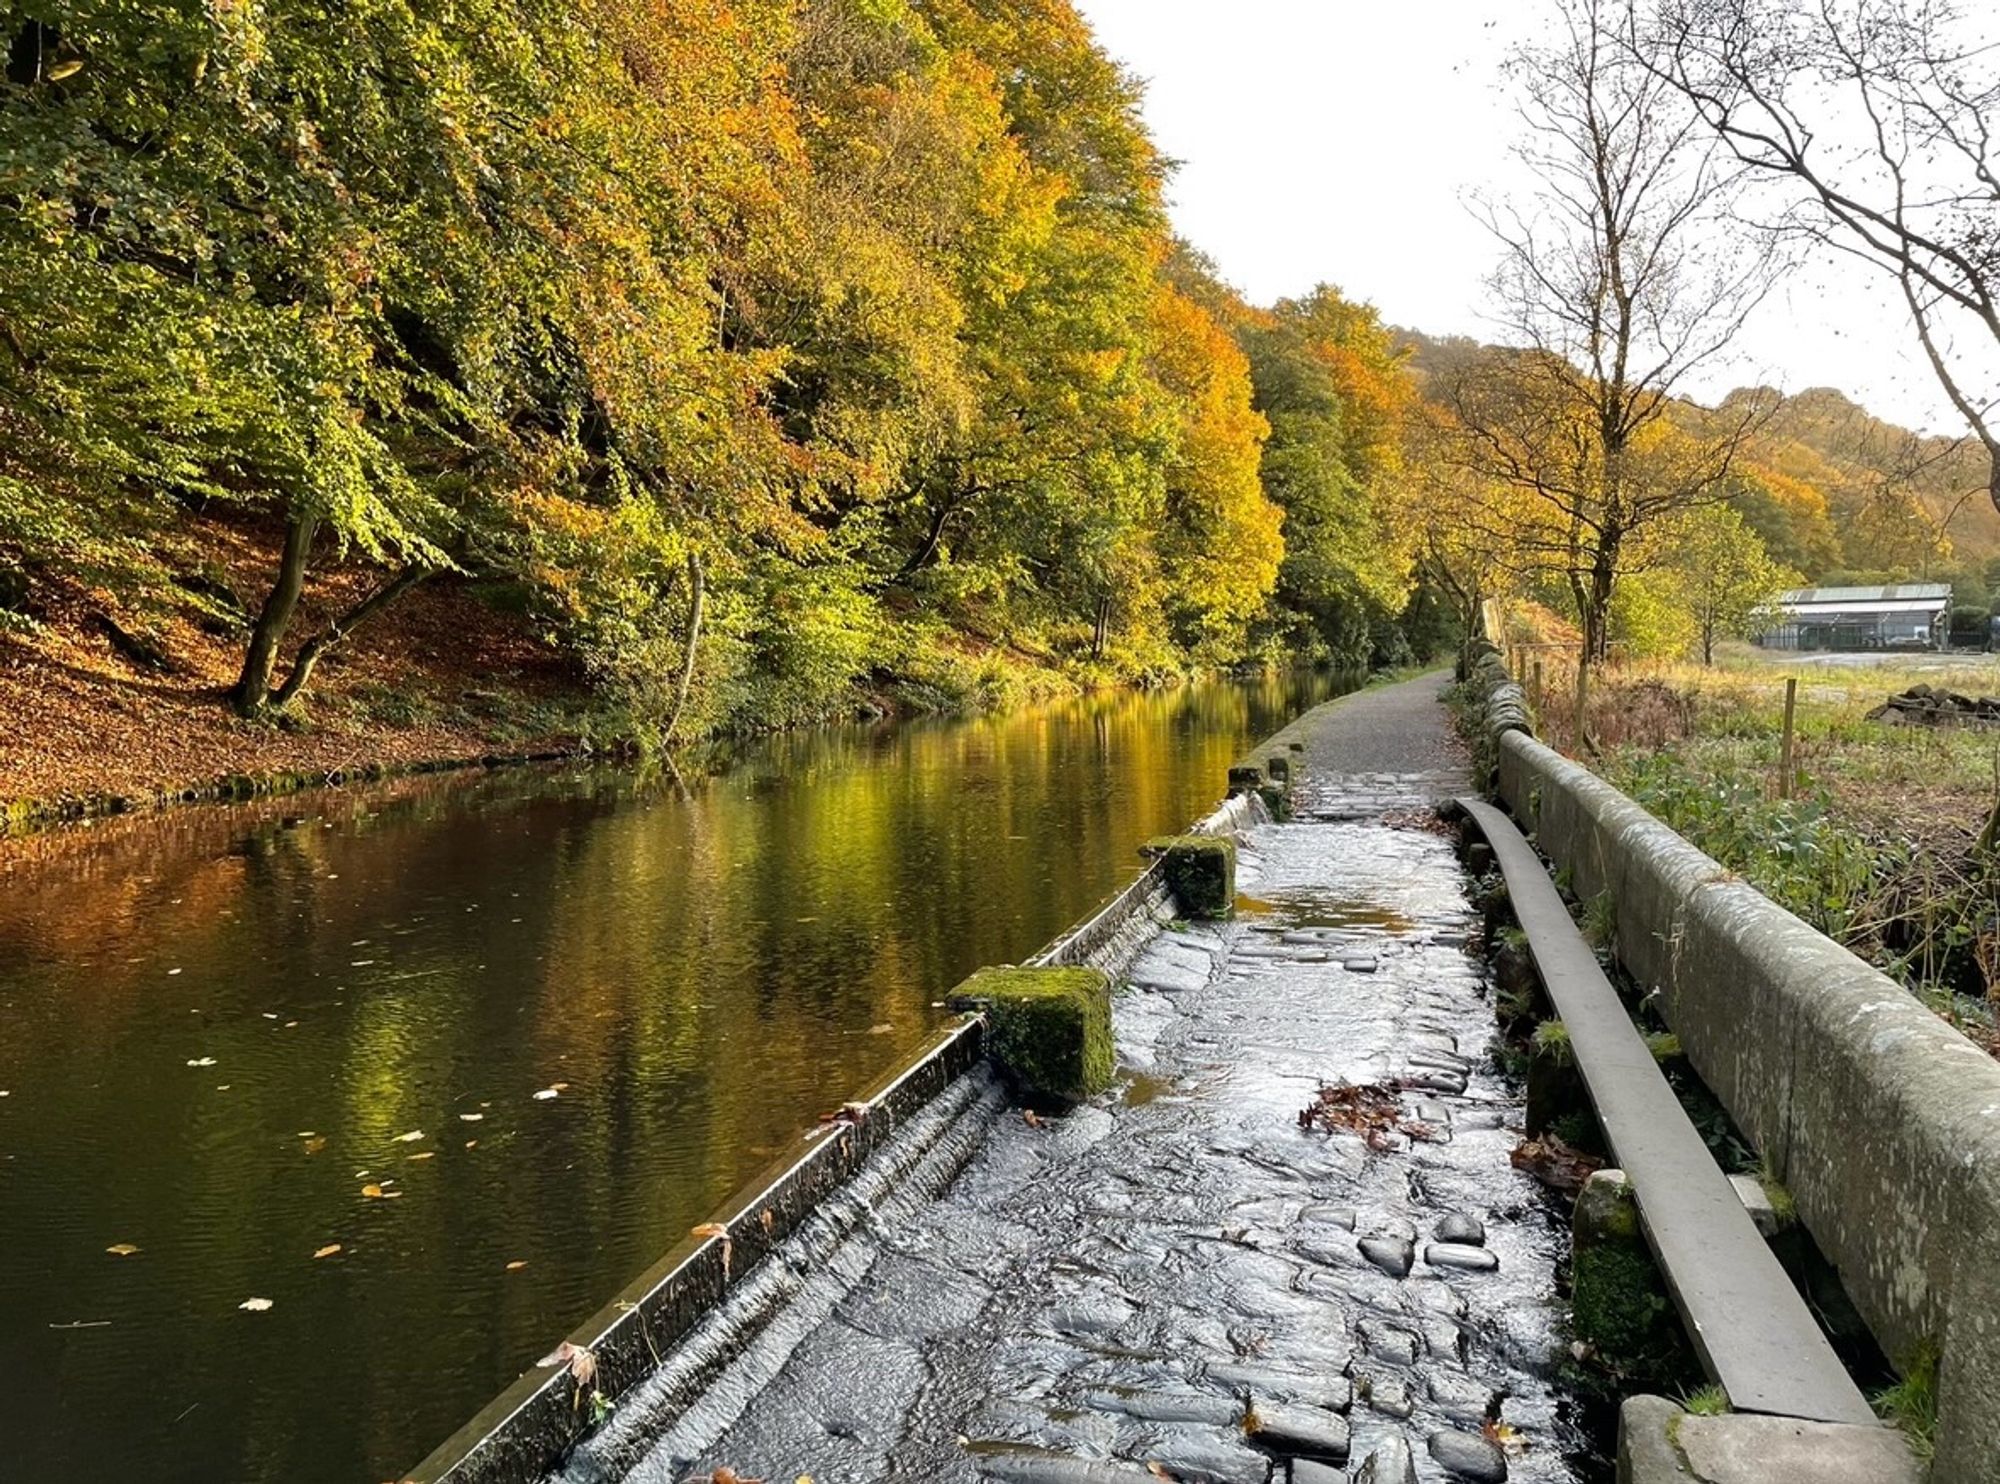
x=1909 y=615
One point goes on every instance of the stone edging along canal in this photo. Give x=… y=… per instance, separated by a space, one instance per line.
x=1881 y=1120
x=524 y=1432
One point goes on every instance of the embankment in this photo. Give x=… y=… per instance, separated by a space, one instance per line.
x=1882 y=1121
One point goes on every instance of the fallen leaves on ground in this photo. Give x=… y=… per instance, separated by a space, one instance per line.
x=255 y=1305
x=1368 y=1109
x=121 y=1249
x=1554 y=1163
x=328 y=1250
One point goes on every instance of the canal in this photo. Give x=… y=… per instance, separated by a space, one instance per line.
x=321 y=1118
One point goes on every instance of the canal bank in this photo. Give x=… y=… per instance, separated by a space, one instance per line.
x=220 y=1026
x=1223 y=1266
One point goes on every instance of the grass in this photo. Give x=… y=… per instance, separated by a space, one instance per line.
x=1875 y=845
x=1911 y=1403
x=1705 y=1401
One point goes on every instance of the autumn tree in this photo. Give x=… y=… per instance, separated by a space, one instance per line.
x=1724 y=573
x=1872 y=120
x=1330 y=380
x=1617 y=285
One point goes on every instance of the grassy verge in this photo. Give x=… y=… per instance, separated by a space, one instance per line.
x=1878 y=843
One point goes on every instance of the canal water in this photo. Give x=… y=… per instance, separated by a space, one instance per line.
x=322 y=1118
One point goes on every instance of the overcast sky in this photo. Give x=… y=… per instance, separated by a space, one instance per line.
x=1337 y=140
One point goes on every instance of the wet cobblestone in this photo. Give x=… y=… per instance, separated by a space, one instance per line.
x=1179 y=1276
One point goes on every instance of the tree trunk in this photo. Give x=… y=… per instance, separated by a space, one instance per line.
x=697 y=601
x=315 y=648
x=1103 y=630
x=252 y=691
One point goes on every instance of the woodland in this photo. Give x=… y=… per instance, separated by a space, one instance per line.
x=766 y=361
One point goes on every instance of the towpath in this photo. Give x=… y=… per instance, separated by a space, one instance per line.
x=1178 y=1280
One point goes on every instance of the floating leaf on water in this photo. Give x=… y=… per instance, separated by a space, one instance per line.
x=471 y=1143
x=545 y=1094
x=884 y=1029
x=201 y=1061
x=427 y=1154
x=373 y=1192
x=255 y=1305
x=411 y=1137
x=314 y=1144
x=328 y=1250
x=172 y=972
x=470 y=1117
x=517 y=1264
x=121 y=1249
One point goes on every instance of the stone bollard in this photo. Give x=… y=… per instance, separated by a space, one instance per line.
x=1619 y=1305
x=1201 y=872
x=1279 y=767
x=1049 y=1029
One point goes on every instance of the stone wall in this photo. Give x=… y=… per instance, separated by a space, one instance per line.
x=1882 y=1120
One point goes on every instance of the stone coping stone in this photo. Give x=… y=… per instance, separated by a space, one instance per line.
x=1658 y=1443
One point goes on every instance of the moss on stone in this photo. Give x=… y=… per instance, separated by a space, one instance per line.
x=1201 y=872
x=1618 y=1300
x=1048 y=1029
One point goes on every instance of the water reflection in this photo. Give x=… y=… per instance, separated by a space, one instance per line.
x=498 y=1040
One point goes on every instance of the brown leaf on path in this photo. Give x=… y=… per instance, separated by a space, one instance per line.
x=1554 y=1163
x=328 y=1250
x=121 y=1249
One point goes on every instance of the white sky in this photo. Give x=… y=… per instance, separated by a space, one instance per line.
x=1336 y=141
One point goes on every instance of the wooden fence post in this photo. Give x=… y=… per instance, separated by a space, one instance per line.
x=1785 y=742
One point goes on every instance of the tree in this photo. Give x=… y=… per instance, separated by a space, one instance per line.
x=1725 y=574
x=1875 y=119
x=1616 y=286
x=1331 y=382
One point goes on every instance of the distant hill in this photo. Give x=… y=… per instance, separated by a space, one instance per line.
x=1834 y=490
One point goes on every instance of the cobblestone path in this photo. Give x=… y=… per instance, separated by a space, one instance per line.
x=1178 y=1281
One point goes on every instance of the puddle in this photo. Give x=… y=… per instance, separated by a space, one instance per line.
x=1143 y=1088
x=1306 y=908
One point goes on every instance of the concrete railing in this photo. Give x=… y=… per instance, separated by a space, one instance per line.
x=1882 y=1121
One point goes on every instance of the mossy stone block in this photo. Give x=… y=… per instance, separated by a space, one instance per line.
x=1618 y=1300
x=1201 y=872
x=1049 y=1029
x=1247 y=778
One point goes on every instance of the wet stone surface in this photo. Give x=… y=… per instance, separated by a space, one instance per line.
x=1178 y=1274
